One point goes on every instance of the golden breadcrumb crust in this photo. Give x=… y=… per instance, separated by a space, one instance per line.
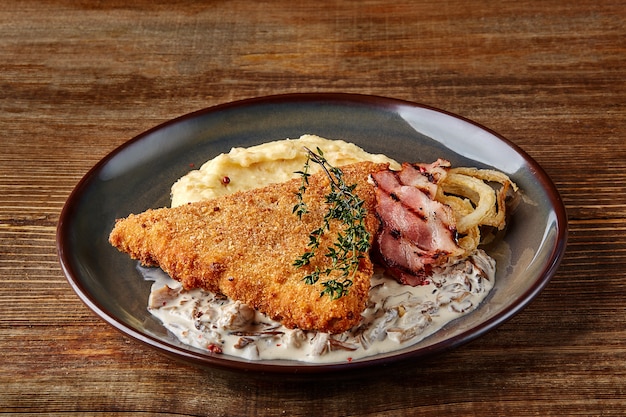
x=244 y=244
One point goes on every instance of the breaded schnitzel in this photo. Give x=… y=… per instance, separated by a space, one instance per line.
x=243 y=245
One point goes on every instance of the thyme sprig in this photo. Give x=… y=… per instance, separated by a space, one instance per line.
x=345 y=206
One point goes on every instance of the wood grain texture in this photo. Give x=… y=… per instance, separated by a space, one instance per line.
x=78 y=79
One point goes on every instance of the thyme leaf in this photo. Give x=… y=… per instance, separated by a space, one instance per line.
x=301 y=208
x=345 y=206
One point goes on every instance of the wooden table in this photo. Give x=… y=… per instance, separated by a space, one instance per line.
x=77 y=79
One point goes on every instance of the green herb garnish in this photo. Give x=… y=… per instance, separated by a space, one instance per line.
x=345 y=206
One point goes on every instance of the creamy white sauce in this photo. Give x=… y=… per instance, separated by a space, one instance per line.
x=396 y=316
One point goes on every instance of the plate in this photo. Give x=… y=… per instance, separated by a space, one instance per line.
x=138 y=175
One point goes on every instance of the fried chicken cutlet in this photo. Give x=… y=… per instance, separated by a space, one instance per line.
x=243 y=245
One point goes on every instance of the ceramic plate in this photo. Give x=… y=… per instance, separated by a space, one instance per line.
x=138 y=175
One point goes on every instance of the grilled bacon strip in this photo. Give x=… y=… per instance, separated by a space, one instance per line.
x=416 y=232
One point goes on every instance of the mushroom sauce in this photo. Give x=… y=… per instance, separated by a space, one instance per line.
x=396 y=316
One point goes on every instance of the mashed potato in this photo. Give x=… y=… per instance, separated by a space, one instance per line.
x=273 y=162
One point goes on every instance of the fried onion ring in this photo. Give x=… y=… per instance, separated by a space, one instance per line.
x=478 y=198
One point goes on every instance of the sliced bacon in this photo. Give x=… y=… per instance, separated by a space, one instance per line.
x=424 y=176
x=416 y=232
